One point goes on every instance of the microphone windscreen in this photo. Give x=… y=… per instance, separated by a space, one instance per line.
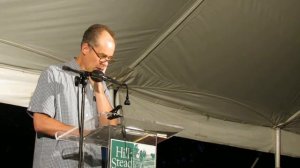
x=97 y=75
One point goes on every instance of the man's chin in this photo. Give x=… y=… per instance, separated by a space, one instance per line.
x=102 y=69
x=99 y=69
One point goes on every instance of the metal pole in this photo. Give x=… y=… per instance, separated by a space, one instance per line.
x=277 y=149
x=255 y=162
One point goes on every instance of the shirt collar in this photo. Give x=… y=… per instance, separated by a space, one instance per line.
x=73 y=64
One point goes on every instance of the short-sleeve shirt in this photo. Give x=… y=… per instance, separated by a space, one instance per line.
x=56 y=95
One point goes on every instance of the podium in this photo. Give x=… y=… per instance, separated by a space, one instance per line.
x=132 y=143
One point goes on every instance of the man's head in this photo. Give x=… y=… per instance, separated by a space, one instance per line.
x=97 y=48
x=91 y=34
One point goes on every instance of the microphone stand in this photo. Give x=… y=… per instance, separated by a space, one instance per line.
x=83 y=81
x=97 y=76
x=80 y=80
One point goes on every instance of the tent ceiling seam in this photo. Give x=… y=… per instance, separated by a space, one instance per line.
x=164 y=35
x=289 y=120
x=292 y=117
x=19 y=68
x=20 y=46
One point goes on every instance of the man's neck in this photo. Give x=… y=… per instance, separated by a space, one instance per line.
x=80 y=62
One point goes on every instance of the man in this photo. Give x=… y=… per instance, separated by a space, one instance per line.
x=54 y=102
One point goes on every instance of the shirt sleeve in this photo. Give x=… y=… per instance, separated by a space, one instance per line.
x=107 y=93
x=43 y=98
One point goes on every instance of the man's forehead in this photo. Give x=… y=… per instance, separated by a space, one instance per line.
x=104 y=38
x=110 y=44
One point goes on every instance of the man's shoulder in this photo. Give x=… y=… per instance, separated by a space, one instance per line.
x=54 y=70
x=57 y=67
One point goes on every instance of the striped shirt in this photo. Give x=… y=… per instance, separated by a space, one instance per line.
x=56 y=96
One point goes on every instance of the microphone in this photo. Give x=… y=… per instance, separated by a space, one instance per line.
x=113 y=113
x=98 y=76
x=116 y=109
x=127 y=102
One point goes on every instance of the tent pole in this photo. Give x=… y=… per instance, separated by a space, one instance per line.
x=255 y=162
x=278 y=135
x=277 y=149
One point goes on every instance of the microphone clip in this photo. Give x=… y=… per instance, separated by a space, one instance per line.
x=114 y=113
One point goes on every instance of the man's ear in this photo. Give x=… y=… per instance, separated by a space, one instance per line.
x=85 y=49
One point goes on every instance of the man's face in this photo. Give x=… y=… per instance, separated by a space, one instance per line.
x=98 y=55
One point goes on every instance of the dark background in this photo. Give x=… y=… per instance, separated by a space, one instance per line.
x=17 y=144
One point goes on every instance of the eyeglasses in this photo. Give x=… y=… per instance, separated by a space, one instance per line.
x=103 y=56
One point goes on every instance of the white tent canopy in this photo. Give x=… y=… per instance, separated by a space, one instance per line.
x=226 y=71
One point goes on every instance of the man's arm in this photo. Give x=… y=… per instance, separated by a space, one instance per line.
x=47 y=125
x=103 y=104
